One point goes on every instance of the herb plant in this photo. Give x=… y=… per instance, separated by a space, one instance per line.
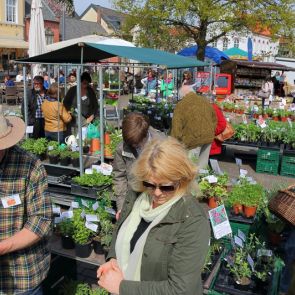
x=95 y=179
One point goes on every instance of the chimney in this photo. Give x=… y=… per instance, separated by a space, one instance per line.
x=98 y=13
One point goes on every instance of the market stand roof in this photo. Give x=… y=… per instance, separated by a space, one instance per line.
x=98 y=52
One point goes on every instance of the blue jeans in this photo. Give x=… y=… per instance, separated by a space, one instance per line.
x=37 y=291
x=54 y=136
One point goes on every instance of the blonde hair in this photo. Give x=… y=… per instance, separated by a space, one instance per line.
x=164 y=159
x=53 y=90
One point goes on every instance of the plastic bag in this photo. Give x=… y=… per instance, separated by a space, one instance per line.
x=92 y=131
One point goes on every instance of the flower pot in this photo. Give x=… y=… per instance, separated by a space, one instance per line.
x=83 y=251
x=107 y=138
x=95 y=145
x=284 y=119
x=65 y=161
x=75 y=162
x=265 y=116
x=249 y=211
x=53 y=159
x=255 y=116
x=107 y=151
x=67 y=242
x=85 y=149
x=276 y=118
x=237 y=209
x=98 y=248
x=212 y=202
x=42 y=157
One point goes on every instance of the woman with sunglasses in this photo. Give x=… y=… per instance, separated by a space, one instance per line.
x=161 y=240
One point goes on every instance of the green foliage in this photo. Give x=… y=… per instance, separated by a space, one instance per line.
x=53 y=144
x=98 y=291
x=81 y=233
x=66 y=227
x=106 y=232
x=95 y=179
x=65 y=154
x=75 y=155
x=53 y=153
x=71 y=287
x=35 y=146
x=28 y=145
x=116 y=138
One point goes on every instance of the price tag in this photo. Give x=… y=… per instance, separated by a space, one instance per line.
x=67 y=214
x=82 y=214
x=95 y=206
x=215 y=166
x=264 y=252
x=241 y=235
x=243 y=173
x=261 y=122
x=75 y=205
x=57 y=220
x=290 y=122
x=239 y=241
x=92 y=218
x=91 y=226
x=284 y=102
x=203 y=171
x=30 y=129
x=85 y=203
x=245 y=121
x=238 y=161
x=211 y=178
x=50 y=148
x=56 y=210
x=149 y=112
x=250 y=261
x=158 y=118
x=110 y=211
x=171 y=115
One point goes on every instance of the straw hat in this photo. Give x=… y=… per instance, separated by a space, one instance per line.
x=12 y=130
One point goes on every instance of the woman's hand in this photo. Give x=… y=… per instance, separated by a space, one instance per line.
x=89 y=119
x=118 y=215
x=106 y=267
x=112 y=278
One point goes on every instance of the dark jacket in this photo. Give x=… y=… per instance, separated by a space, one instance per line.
x=174 y=252
x=194 y=121
x=89 y=105
x=125 y=156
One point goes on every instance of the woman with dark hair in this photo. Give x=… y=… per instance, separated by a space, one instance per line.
x=89 y=104
x=150 y=82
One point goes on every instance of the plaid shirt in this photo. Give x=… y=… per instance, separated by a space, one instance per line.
x=39 y=113
x=22 y=174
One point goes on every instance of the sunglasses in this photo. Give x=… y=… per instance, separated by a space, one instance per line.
x=162 y=188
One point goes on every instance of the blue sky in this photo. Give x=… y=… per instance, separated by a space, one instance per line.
x=81 y=5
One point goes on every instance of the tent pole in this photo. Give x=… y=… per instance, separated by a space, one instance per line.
x=25 y=97
x=101 y=117
x=79 y=119
x=133 y=82
x=58 y=97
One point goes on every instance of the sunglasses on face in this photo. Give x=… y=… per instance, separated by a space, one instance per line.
x=162 y=188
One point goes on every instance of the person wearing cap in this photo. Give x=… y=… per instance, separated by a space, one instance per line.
x=194 y=122
x=26 y=214
x=36 y=97
x=136 y=131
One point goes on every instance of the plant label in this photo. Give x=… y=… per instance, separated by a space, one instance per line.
x=241 y=235
x=85 y=203
x=95 y=206
x=238 y=161
x=211 y=179
x=284 y=102
x=92 y=218
x=239 y=241
x=50 y=148
x=171 y=115
x=110 y=211
x=67 y=214
x=250 y=261
x=56 y=210
x=215 y=166
x=30 y=129
x=88 y=171
x=91 y=226
x=264 y=252
x=219 y=222
x=203 y=171
x=261 y=122
x=290 y=122
x=243 y=173
x=57 y=220
x=149 y=112
x=245 y=121
x=82 y=214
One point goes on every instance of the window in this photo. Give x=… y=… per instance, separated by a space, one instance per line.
x=236 y=43
x=11 y=11
x=225 y=44
x=49 y=36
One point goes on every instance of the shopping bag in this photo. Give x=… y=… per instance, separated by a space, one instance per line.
x=228 y=132
x=92 y=131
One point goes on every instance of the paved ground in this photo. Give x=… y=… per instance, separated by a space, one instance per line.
x=227 y=161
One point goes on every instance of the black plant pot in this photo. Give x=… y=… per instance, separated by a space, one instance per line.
x=85 y=149
x=65 y=161
x=42 y=157
x=75 y=162
x=98 y=247
x=53 y=159
x=83 y=251
x=67 y=242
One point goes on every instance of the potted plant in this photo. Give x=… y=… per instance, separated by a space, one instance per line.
x=53 y=156
x=106 y=234
x=86 y=145
x=81 y=235
x=234 y=200
x=65 y=157
x=253 y=194
x=66 y=229
x=40 y=148
x=75 y=157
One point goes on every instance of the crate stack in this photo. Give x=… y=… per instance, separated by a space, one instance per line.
x=268 y=161
x=288 y=166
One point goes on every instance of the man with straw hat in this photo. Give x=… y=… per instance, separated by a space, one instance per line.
x=25 y=214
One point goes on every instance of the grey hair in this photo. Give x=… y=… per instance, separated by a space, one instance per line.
x=184 y=90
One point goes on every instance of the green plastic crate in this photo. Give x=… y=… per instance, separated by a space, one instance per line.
x=269 y=167
x=288 y=166
x=288 y=160
x=268 y=155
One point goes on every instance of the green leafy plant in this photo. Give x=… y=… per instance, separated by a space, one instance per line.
x=65 y=154
x=95 y=179
x=75 y=155
x=54 y=144
x=28 y=145
x=81 y=234
x=66 y=227
x=40 y=146
x=98 y=291
x=53 y=153
x=116 y=138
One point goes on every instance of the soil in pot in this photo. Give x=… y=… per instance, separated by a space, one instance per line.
x=67 y=242
x=75 y=162
x=65 y=161
x=212 y=202
x=237 y=209
x=53 y=159
x=249 y=211
x=243 y=285
x=98 y=247
x=83 y=251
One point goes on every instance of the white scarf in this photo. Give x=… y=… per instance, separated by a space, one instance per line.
x=130 y=264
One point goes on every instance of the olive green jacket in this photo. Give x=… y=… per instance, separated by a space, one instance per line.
x=174 y=252
x=124 y=157
x=194 y=121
